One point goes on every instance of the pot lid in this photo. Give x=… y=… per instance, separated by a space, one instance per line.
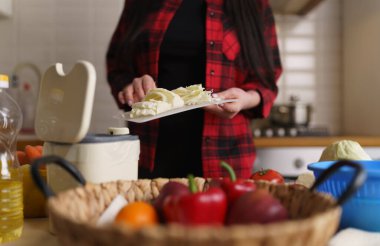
x=65 y=101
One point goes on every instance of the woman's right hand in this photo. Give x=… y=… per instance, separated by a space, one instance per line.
x=136 y=91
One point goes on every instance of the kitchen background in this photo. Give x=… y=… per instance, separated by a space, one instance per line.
x=330 y=55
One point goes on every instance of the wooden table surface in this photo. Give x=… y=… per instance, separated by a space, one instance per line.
x=35 y=233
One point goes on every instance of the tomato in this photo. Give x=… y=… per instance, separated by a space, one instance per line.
x=268 y=175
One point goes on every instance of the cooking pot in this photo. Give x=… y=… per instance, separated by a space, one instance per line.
x=293 y=114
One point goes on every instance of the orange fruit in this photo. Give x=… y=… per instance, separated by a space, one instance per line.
x=137 y=215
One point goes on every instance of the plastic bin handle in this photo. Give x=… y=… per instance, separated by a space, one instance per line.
x=48 y=160
x=356 y=182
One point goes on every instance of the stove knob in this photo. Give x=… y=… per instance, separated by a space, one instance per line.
x=257 y=133
x=293 y=132
x=269 y=132
x=280 y=132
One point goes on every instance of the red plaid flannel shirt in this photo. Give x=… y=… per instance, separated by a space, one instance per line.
x=223 y=139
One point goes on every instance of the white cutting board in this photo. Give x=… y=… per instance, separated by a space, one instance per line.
x=127 y=115
x=65 y=102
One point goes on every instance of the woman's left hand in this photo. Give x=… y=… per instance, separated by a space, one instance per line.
x=245 y=100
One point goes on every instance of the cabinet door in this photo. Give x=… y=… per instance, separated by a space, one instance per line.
x=293 y=161
x=289 y=161
x=373 y=152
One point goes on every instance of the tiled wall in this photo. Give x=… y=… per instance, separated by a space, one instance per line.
x=48 y=31
x=311 y=54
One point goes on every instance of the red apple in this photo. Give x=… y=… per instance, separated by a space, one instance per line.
x=256 y=207
x=170 y=188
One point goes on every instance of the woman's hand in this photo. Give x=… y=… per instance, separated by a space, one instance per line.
x=136 y=91
x=245 y=100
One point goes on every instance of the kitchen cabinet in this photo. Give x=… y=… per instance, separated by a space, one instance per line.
x=289 y=161
x=5 y=8
x=290 y=156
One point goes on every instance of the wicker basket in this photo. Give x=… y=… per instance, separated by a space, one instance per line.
x=314 y=219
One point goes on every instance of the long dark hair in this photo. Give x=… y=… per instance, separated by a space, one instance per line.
x=247 y=16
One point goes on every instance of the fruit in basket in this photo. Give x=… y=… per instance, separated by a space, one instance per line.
x=232 y=186
x=268 y=175
x=169 y=189
x=198 y=207
x=256 y=207
x=137 y=215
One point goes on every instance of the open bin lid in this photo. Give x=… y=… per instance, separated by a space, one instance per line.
x=65 y=101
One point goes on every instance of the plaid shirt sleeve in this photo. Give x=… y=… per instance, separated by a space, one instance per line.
x=117 y=75
x=252 y=81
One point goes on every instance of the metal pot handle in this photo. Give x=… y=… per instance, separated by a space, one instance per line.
x=48 y=160
x=356 y=182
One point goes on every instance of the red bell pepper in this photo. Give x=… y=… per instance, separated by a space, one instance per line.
x=197 y=208
x=232 y=186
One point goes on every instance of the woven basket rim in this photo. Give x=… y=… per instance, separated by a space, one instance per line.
x=282 y=224
x=245 y=231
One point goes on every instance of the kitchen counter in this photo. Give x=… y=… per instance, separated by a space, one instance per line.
x=35 y=233
x=263 y=142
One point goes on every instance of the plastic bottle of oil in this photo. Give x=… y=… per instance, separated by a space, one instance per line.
x=11 y=206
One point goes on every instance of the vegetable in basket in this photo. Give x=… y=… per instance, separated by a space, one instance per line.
x=268 y=175
x=232 y=186
x=197 y=208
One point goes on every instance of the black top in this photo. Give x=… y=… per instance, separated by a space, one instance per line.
x=181 y=63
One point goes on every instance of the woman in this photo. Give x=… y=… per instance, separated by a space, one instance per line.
x=229 y=46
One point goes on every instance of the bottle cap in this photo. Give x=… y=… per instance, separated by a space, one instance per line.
x=4 y=81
